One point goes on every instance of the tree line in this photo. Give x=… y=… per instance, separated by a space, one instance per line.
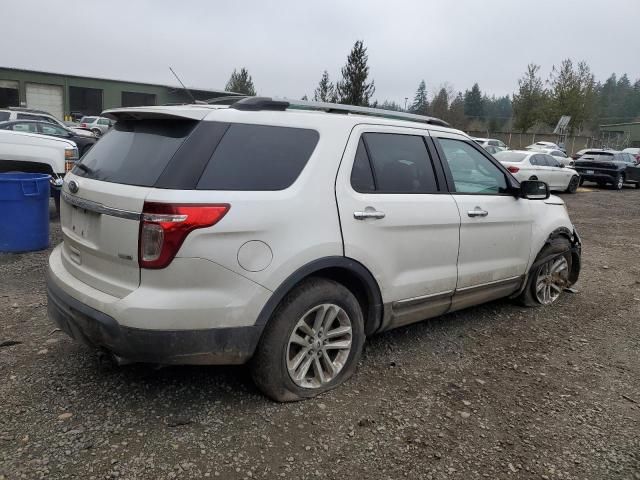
x=536 y=105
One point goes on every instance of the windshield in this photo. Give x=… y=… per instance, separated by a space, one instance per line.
x=510 y=156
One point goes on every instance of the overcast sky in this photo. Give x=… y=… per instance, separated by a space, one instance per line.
x=287 y=44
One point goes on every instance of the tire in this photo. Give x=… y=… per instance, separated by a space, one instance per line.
x=618 y=183
x=533 y=177
x=581 y=181
x=573 y=184
x=638 y=185
x=313 y=299
x=530 y=296
x=96 y=132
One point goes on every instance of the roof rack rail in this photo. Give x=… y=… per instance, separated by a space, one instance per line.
x=267 y=103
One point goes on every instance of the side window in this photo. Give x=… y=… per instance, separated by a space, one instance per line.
x=539 y=161
x=472 y=172
x=401 y=163
x=551 y=162
x=48 y=129
x=558 y=153
x=258 y=157
x=103 y=121
x=361 y=174
x=493 y=142
x=25 y=127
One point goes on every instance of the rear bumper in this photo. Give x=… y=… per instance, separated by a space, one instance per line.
x=598 y=176
x=221 y=346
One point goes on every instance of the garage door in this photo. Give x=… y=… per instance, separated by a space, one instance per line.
x=9 y=94
x=45 y=97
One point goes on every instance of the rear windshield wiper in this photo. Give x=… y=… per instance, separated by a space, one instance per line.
x=82 y=166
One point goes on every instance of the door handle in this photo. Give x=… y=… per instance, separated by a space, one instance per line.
x=477 y=212
x=368 y=214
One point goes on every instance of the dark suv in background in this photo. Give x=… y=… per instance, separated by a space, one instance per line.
x=608 y=167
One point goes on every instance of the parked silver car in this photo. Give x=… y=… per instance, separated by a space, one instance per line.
x=98 y=125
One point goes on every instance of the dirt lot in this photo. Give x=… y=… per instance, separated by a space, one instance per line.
x=498 y=391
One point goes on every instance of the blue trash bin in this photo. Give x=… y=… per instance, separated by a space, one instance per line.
x=24 y=206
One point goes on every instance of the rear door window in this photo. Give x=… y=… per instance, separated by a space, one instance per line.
x=258 y=157
x=4 y=116
x=135 y=152
x=362 y=174
x=401 y=163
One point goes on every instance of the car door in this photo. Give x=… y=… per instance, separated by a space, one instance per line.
x=544 y=171
x=495 y=230
x=632 y=171
x=560 y=176
x=398 y=220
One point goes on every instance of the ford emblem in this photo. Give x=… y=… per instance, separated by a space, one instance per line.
x=73 y=186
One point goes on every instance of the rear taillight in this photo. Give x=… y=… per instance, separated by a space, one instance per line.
x=513 y=169
x=164 y=226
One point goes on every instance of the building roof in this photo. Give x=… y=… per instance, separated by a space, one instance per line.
x=174 y=87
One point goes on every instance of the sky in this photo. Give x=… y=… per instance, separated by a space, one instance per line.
x=287 y=44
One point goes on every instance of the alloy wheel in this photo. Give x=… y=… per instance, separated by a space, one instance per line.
x=319 y=346
x=553 y=277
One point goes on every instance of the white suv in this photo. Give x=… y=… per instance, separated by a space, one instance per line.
x=285 y=234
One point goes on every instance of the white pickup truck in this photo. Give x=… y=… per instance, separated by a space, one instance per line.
x=34 y=153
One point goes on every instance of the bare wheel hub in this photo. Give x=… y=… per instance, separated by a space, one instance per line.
x=553 y=277
x=319 y=346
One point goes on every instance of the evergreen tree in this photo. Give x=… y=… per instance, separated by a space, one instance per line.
x=389 y=105
x=241 y=82
x=528 y=103
x=573 y=93
x=440 y=104
x=353 y=89
x=456 y=113
x=325 y=92
x=473 y=104
x=420 y=104
x=305 y=98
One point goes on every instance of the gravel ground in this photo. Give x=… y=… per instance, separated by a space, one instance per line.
x=497 y=391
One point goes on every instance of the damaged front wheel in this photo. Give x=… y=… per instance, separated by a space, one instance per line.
x=549 y=275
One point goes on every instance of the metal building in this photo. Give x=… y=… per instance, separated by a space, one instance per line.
x=620 y=135
x=63 y=95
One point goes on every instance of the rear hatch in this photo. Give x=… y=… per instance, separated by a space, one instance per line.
x=103 y=197
x=596 y=161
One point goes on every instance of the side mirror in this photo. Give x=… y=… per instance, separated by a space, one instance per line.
x=534 y=190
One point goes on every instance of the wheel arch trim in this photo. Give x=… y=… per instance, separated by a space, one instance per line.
x=355 y=268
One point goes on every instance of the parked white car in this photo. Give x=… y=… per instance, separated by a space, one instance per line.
x=555 y=153
x=287 y=232
x=17 y=113
x=35 y=153
x=98 y=125
x=493 y=142
x=535 y=165
x=544 y=145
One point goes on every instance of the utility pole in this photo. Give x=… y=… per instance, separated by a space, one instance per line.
x=405 y=103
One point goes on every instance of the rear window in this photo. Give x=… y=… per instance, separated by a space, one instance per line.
x=258 y=157
x=510 y=156
x=4 y=116
x=88 y=119
x=135 y=152
x=598 y=156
